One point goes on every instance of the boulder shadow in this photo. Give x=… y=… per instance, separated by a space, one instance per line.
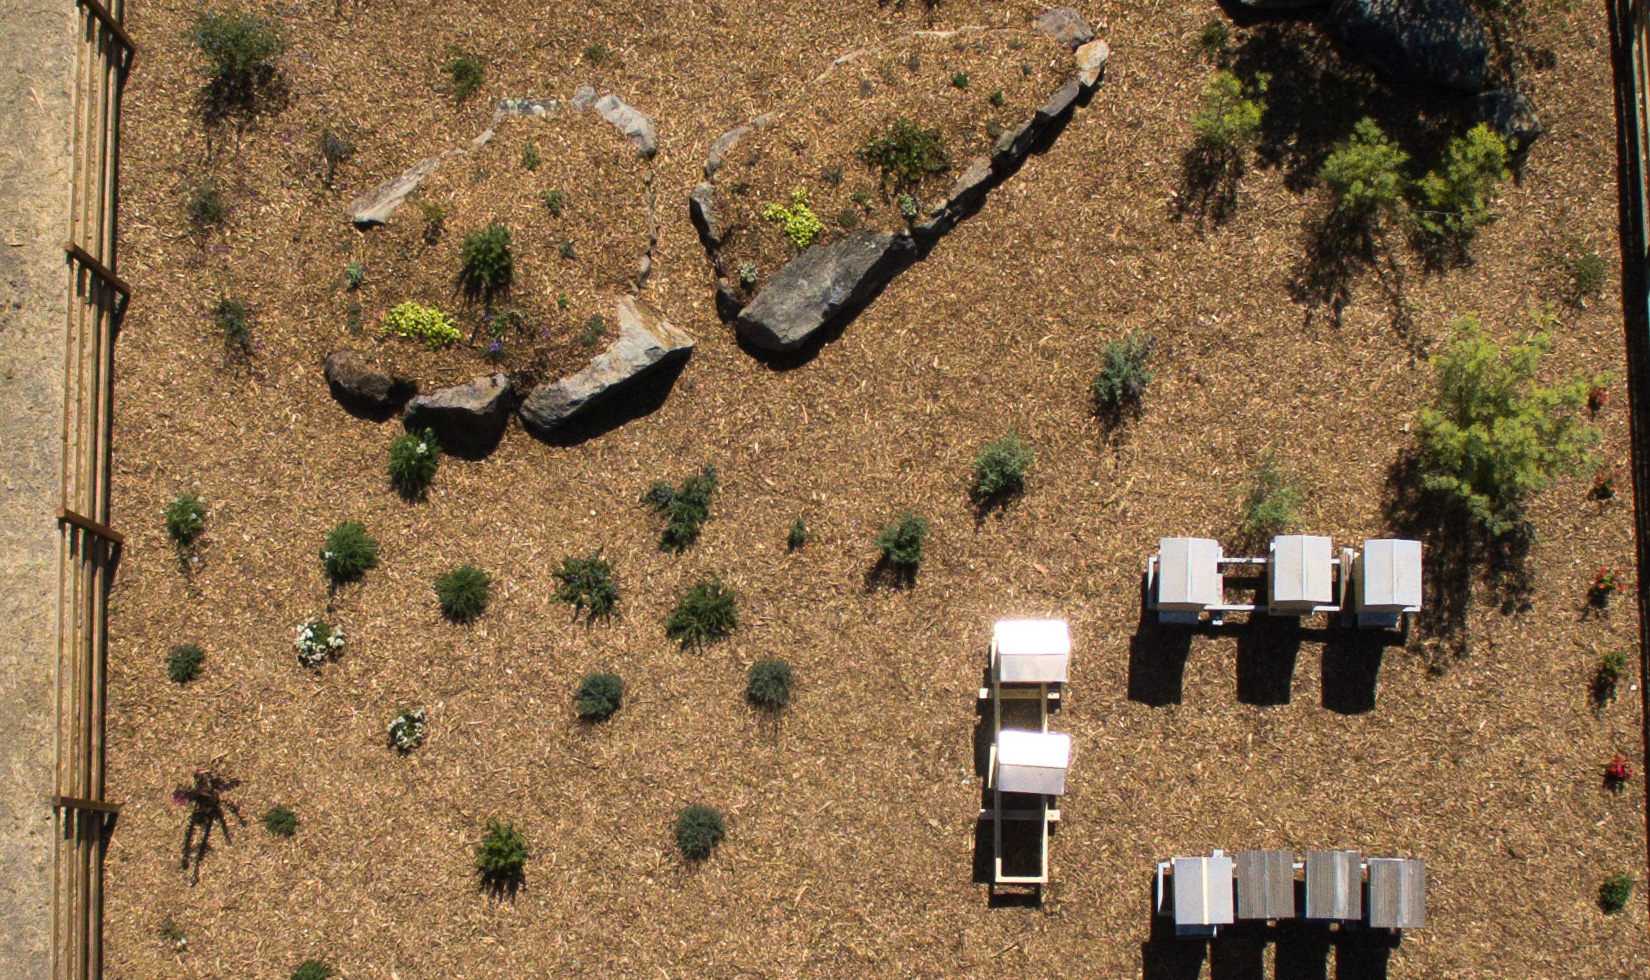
x=1267 y=647
x=400 y=392
x=637 y=397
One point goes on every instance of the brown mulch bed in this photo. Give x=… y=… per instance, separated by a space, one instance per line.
x=851 y=817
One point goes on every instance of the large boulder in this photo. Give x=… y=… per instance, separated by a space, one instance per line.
x=1511 y=115
x=360 y=387
x=632 y=122
x=1425 y=42
x=646 y=342
x=812 y=290
x=467 y=418
x=1066 y=26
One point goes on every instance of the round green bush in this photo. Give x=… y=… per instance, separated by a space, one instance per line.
x=313 y=970
x=704 y=615
x=901 y=541
x=768 y=684
x=599 y=696
x=349 y=551
x=462 y=593
x=699 y=829
x=501 y=853
x=1614 y=893
x=185 y=516
x=183 y=664
x=488 y=262
x=280 y=821
x=1000 y=468
x=414 y=457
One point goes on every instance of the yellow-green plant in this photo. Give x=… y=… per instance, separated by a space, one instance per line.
x=801 y=225
x=425 y=323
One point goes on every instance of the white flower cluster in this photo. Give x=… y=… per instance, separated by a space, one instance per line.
x=317 y=641
x=407 y=730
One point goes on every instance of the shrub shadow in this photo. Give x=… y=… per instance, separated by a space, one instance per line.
x=1208 y=188
x=884 y=574
x=503 y=886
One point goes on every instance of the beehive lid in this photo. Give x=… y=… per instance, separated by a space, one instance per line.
x=1397 y=893
x=1301 y=572
x=1188 y=573
x=1032 y=762
x=1032 y=651
x=1391 y=575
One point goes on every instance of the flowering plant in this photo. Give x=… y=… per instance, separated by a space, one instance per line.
x=317 y=641
x=1618 y=771
x=1597 y=396
x=407 y=729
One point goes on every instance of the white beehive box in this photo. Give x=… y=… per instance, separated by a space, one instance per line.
x=1031 y=651
x=1389 y=577
x=1203 y=891
x=1032 y=762
x=1301 y=574
x=1188 y=574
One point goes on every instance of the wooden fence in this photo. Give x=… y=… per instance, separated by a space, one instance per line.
x=89 y=548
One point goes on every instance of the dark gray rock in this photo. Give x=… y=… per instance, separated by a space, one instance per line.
x=702 y=211
x=809 y=292
x=632 y=122
x=1066 y=26
x=1280 y=4
x=467 y=418
x=375 y=206
x=646 y=341
x=361 y=387
x=1059 y=103
x=1511 y=115
x=1425 y=42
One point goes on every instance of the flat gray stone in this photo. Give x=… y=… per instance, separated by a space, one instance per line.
x=375 y=206
x=632 y=122
x=719 y=149
x=646 y=341
x=810 y=291
x=466 y=418
x=1060 y=102
x=1066 y=26
x=536 y=108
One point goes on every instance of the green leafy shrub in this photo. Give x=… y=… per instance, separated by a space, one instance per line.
x=1584 y=274
x=907 y=206
x=349 y=551
x=747 y=274
x=1125 y=372
x=240 y=51
x=699 y=829
x=425 y=323
x=1271 y=505
x=847 y=218
x=901 y=542
x=1608 y=675
x=207 y=206
x=406 y=729
x=996 y=99
x=599 y=696
x=462 y=593
x=587 y=583
x=280 y=821
x=464 y=73
x=594 y=330
x=530 y=158
x=1001 y=465
x=354 y=274
x=183 y=664
x=1614 y=893
x=565 y=250
x=501 y=854
x=594 y=54
x=1493 y=436
x=185 y=518
x=768 y=684
x=435 y=221
x=234 y=321
x=904 y=154
x=313 y=970
x=684 y=508
x=414 y=458
x=554 y=201
x=799 y=222
x=1213 y=38
x=959 y=80
x=797 y=536
x=317 y=642
x=1456 y=202
x=705 y=614
x=488 y=263
x=1227 y=120
x=1364 y=173
x=336 y=150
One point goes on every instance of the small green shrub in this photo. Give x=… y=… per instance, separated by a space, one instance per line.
x=462 y=593
x=1608 y=675
x=1271 y=505
x=901 y=542
x=1584 y=274
x=406 y=729
x=554 y=201
x=1125 y=372
x=172 y=933
x=1493 y=436
x=464 y=73
x=847 y=218
x=354 y=274
x=317 y=642
x=1614 y=893
x=907 y=206
x=587 y=583
x=207 y=206
x=435 y=221
x=904 y=154
x=183 y=664
x=530 y=159
x=425 y=323
x=487 y=261
x=705 y=614
x=240 y=51
x=501 y=854
x=599 y=696
x=349 y=552
x=280 y=821
x=768 y=684
x=185 y=518
x=699 y=829
x=234 y=322
x=336 y=150
x=799 y=222
x=960 y=80
x=1001 y=465
x=747 y=274
x=313 y=970
x=594 y=54
x=1364 y=173
x=996 y=98
x=594 y=330
x=1227 y=121
x=1213 y=38
x=1456 y=202
x=684 y=508
x=797 y=536
x=414 y=458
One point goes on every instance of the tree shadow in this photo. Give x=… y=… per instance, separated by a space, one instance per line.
x=204 y=797
x=1208 y=185
x=1267 y=647
x=1336 y=250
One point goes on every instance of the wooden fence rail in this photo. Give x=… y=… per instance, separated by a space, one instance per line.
x=89 y=548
